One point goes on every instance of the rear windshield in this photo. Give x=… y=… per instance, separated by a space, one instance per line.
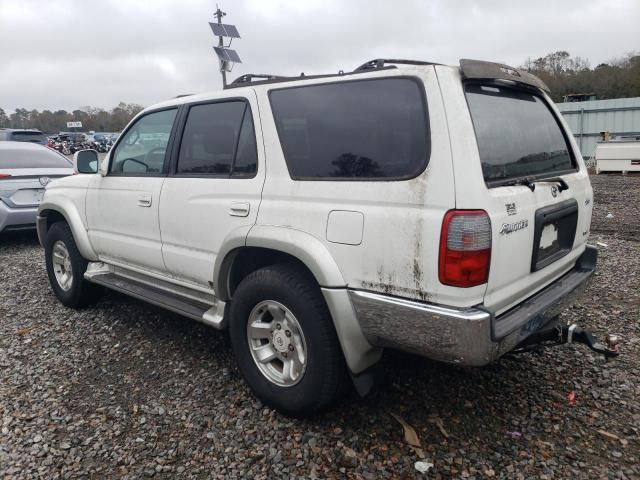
x=356 y=130
x=518 y=135
x=32 y=158
x=27 y=137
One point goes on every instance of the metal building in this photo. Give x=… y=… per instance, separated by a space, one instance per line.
x=619 y=116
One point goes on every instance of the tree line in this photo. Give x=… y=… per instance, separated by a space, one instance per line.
x=566 y=75
x=96 y=119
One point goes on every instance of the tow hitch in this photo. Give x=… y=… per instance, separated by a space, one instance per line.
x=574 y=334
x=562 y=334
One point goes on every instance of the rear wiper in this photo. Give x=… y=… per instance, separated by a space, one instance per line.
x=527 y=182
x=523 y=181
x=563 y=185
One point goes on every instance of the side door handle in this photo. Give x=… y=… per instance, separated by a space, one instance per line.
x=144 y=200
x=239 y=209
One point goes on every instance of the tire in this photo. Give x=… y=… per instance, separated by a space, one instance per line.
x=322 y=377
x=76 y=292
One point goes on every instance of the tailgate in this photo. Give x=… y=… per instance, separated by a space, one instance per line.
x=514 y=158
x=536 y=237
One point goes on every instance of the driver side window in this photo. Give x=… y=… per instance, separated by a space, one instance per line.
x=142 y=149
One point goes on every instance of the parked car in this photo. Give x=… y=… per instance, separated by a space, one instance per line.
x=439 y=210
x=25 y=171
x=23 y=135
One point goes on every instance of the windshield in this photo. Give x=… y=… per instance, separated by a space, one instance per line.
x=32 y=158
x=518 y=135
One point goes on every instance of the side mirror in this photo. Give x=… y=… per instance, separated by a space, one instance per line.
x=86 y=161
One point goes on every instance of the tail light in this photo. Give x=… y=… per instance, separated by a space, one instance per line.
x=4 y=176
x=465 y=248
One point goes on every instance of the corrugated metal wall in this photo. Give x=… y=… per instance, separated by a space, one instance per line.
x=619 y=116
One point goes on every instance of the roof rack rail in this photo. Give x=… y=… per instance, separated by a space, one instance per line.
x=249 y=78
x=381 y=63
x=266 y=78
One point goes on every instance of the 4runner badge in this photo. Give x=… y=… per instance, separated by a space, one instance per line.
x=513 y=227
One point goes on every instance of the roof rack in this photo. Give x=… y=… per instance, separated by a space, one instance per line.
x=376 y=64
x=249 y=78
x=381 y=63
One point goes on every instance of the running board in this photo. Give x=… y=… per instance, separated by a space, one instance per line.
x=212 y=315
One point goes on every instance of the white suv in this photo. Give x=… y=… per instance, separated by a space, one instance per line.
x=440 y=210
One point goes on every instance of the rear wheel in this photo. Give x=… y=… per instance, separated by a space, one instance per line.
x=284 y=340
x=66 y=268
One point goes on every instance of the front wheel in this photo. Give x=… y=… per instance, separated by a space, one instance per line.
x=284 y=341
x=66 y=267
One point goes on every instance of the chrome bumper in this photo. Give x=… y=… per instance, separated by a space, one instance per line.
x=472 y=336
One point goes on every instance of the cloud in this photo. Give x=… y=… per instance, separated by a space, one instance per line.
x=67 y=53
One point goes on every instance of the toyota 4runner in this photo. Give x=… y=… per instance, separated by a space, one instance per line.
x=439 y=210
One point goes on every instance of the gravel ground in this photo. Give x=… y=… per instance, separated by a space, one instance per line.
x=126 y=390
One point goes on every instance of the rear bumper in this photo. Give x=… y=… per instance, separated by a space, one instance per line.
x=17 y=218
x=473 y=336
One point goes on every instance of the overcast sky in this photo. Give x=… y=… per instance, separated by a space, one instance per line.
x=69 y=53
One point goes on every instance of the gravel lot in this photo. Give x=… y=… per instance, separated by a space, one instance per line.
x=127 y=390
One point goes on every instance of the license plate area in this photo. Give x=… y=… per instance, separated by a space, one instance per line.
x=554 y=233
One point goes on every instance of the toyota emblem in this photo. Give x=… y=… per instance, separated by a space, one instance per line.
x=554 y=191
x=44 y=181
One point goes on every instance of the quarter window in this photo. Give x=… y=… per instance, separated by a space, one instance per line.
x=142 y=149
x=218 y=139
x=357 y=130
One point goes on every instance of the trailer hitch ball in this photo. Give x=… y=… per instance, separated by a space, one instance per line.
x=612 y=343
x=574 y=334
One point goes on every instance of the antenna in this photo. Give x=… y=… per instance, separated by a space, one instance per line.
x=226 y=56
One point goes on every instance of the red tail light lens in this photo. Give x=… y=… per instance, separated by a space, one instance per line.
x=465 y=248
x=4 y=176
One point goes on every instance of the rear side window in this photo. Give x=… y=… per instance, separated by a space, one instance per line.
x=32 y=158
x=518 y=135
x=357 y=130
x=219 y=139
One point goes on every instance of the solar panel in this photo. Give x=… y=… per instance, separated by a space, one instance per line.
x=222 y=30
x=232 y=31
x=233 y=56
x=227 y=55
x=222 y=54
x=218 y=29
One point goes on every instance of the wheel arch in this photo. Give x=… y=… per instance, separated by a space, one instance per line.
x=266 y=245
x=48 y=214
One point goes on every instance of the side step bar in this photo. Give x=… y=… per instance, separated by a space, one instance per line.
x=212 y=315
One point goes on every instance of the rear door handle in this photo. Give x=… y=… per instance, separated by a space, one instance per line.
x=144 y=200
x=239 y=209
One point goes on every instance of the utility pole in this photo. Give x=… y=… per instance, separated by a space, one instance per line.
x=223 y=64
x=226 y=56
